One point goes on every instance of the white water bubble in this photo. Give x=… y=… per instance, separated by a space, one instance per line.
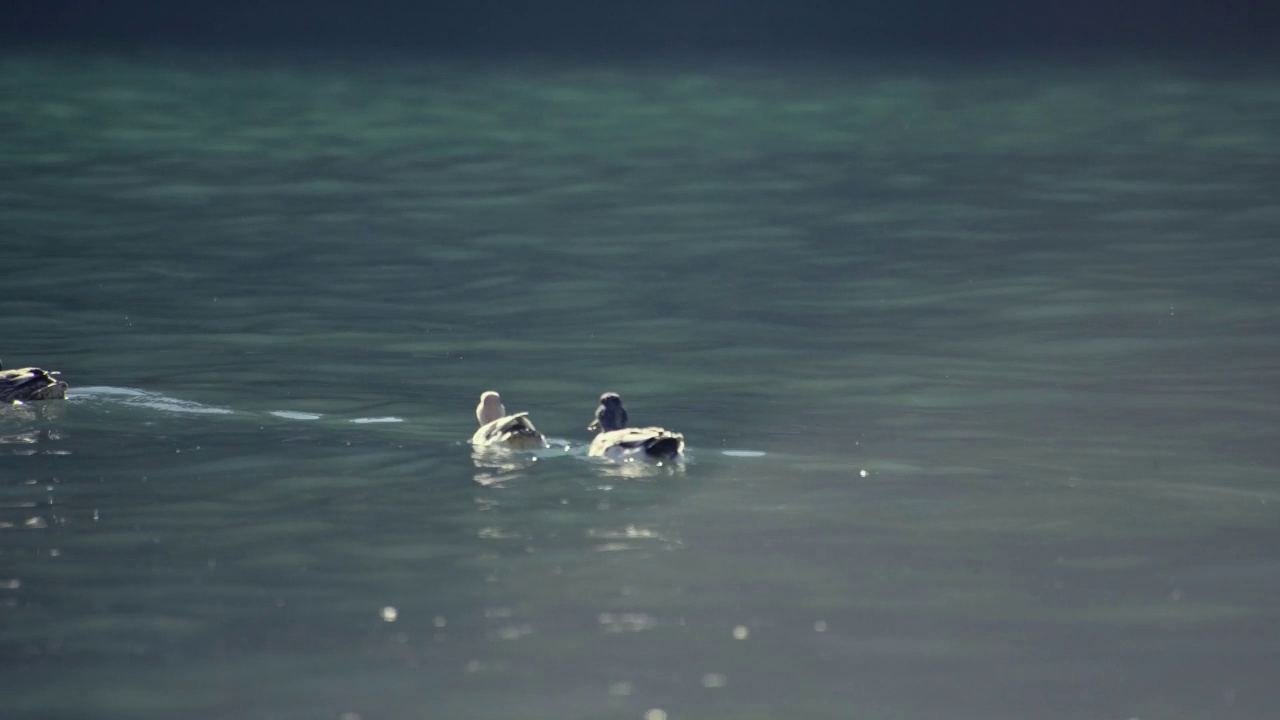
x=292 y=415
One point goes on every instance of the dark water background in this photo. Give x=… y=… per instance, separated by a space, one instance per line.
x=1000 y=340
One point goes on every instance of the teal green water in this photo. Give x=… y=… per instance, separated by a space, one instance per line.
x=999 y=343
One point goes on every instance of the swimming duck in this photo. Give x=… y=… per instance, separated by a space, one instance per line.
x=497 y=428
x=620 y=442
x=30 y=383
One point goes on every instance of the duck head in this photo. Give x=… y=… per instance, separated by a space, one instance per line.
x=610 y=415
x=490 y=407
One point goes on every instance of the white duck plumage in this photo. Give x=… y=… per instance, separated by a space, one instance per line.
x=498 y=429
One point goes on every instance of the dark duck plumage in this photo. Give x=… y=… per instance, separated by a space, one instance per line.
x=620 y=442
x=28 y=384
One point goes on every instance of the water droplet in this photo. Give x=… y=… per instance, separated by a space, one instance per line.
x=714 y=680
x=620 y=689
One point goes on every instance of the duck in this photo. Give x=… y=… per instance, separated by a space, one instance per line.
x=619 y=442
x=26 y=384
x=498 y=429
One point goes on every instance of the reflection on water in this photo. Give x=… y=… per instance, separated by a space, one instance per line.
x=973 y=367
x=499 y=464
x=31 y=423
x=633 y=469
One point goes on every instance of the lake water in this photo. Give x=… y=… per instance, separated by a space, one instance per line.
x=977 y=367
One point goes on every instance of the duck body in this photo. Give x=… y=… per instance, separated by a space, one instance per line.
x=619 y=442
x=498 y=429
x=630 y=443
x=513 y=431
x=30 y=383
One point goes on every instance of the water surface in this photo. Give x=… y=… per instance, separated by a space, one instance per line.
x=999 y=344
